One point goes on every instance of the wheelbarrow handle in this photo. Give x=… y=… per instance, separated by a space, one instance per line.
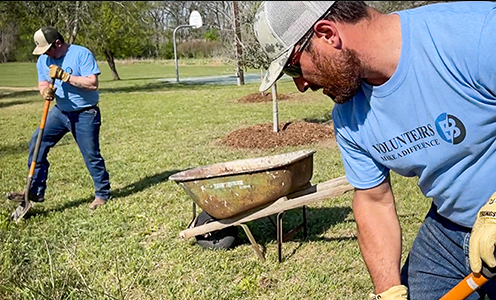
x=470 y=284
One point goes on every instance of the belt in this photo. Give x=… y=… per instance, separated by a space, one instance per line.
x=80 y=110
x=446 y=222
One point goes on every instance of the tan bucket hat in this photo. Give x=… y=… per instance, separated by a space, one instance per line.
x=279 y=26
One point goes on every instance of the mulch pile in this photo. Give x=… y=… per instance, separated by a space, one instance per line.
x=263 y=136
x=265 y=97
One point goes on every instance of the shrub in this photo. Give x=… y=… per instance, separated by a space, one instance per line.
x=198 y=49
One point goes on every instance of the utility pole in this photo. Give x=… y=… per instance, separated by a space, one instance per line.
x=239 y=50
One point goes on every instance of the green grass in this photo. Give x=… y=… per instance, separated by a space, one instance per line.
x=130 y=248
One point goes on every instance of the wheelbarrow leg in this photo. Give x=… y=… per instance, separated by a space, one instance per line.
x=253 y=242
x=304 y=213
x=281 y=237
x=194 y=216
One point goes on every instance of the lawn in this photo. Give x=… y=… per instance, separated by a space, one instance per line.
x=130 y=248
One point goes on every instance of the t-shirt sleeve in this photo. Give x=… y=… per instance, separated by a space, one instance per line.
x=89 y=65
x=362 y=170
x=42 y=68
x=487 y=56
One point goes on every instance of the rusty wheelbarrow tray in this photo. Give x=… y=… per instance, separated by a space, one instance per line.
x=240 y=191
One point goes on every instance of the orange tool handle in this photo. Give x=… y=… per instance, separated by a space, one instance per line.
x=45 y=110
x=40 y=134
x=465 y=287
x=470 y=283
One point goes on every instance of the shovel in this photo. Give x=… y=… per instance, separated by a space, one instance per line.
x=24 y=207
x=470 y=284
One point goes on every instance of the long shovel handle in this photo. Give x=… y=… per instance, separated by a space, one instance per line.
x=38 y=143
x=470 y=284
x=465 y=287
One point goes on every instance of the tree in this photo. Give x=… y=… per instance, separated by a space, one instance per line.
x=117 y=30
x=238 y=42
x=123 y=29
x=252 y=56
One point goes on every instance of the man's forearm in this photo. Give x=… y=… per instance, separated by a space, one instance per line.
x=379 y=238
x=42 y=85
x=89 y=82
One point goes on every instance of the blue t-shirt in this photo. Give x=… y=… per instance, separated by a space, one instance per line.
x=435 y=118
x=78 y=61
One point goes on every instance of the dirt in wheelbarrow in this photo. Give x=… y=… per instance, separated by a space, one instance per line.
x=294 y=133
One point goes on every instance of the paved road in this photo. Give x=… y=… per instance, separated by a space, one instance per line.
x=221 y=79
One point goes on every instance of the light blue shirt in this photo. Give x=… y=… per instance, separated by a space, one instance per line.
x=78 y=61
x=435 y=118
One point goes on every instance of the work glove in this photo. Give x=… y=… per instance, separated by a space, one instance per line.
x=483 y=237
x=48 y=93
x=57 y=73
x=397 y=292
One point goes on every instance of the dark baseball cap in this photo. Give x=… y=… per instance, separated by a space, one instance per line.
x=44 y=38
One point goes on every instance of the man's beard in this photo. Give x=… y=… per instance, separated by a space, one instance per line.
x=340 y=77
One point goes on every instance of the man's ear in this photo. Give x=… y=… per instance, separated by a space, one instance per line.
x=327 y=29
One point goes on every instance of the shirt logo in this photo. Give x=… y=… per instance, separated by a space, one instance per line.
x=450 y=128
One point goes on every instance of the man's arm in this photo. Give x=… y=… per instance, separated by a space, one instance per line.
x=89 y=82
x=42 y=85
x=379 y=234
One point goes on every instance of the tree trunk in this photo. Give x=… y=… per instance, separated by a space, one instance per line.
x=75 y=27
x=239 y=50
x=109 y=56
x=8 y=35
x=157 y=42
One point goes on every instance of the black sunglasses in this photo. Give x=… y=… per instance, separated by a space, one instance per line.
x=294 y=71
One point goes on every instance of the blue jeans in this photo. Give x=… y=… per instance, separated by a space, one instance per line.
x=85 y=128
x=438 y=260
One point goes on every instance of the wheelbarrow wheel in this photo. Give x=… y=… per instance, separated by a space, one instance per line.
x=219 y=239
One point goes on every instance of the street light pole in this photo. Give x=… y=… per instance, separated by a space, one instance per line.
x=175 y=50
x=195 y=21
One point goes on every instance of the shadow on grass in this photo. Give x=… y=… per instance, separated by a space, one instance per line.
x=155 y=87
x=130 y=189
x=132 y=79
x=14 y=149
x=322 y=120
x=17 y=94
x=319 y=220
x=24 y=146
x=127 y=88
x=142 y=184
x=12 y=103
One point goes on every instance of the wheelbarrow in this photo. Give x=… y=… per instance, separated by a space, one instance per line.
x=233 y=193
